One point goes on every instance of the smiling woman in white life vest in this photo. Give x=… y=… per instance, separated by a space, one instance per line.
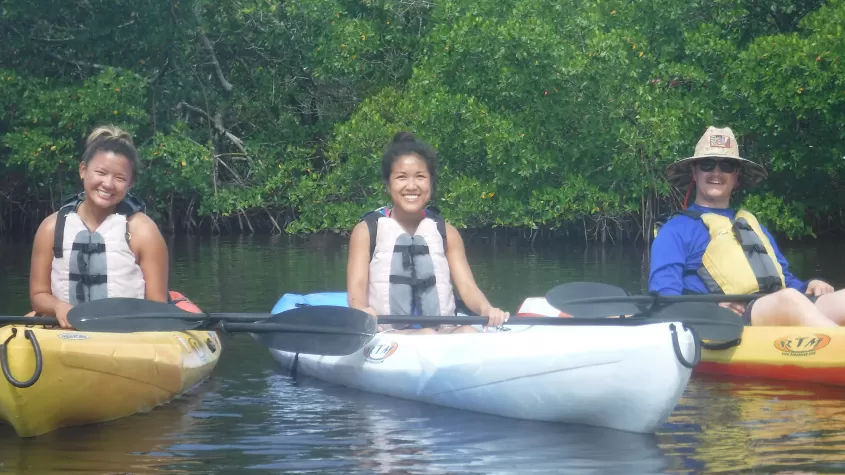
x=710 y=248
x=99 y=244
x=403 y=259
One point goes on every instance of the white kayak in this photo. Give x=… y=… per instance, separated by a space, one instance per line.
x=627 y=377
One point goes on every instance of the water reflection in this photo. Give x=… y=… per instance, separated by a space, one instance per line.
x=133 y=444
x=728 y=425
x=388 y=435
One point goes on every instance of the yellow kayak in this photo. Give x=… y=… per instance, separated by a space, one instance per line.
x=783 y=353
x=79 y=378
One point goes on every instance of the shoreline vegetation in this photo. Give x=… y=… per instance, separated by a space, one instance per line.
x=553 y=121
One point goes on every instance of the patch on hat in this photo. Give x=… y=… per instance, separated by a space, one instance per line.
x=720 y=141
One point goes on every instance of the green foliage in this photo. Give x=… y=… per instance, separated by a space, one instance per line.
x=545 y=114
x=46 y=122
x=786 y=217
x=174 y=165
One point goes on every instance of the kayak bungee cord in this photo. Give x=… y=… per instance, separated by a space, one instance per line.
x=4 y=359
x=721 y=346
x=677 y=346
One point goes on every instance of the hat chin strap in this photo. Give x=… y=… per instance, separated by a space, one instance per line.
x=689 y=190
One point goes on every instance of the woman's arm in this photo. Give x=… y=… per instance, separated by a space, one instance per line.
x=464 y=281
x=40 y=289
x=151 y=253
x=358 y=269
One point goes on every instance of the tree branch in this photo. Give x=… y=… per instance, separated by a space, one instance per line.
x=79 y=64
x=273 y=220
x=101 y=67
x=233 y=172
x=227 y=86
x=217 y=122
x=71 y=38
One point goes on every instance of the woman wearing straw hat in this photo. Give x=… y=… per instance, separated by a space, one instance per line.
x=710 y=248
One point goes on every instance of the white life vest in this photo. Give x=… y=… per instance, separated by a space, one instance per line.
x=95 y=265
x=409 y=275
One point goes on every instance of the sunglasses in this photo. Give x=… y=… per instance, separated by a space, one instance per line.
x=727 y=166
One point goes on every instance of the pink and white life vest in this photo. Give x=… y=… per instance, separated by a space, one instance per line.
x=409 y=275
x=94 y=265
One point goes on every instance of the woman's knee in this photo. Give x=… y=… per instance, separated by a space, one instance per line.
x=457 y=329
x=791 y=298
x=780 y=308
x=788 y=307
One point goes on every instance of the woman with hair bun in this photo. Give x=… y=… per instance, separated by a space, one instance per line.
x=99 y=244
x=403 y=259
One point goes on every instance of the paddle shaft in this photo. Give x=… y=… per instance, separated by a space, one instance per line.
x=22 y=320
x=246 y=322
x=225 y=326
x=553 y=321
x=281 y=327
x=667 y=298
x=190 y=316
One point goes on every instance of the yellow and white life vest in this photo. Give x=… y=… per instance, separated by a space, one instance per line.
x=92 y=265
x=739 y=259
x=409 y=274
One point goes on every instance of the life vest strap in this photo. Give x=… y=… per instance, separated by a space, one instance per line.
x=412 y=249
x=414 y=282
x=372 y=217
x=754 y=247
x=769 y=285
x=59 y=233
x=88 y=279
x=127 y=207
x=408 y=252
x=89 y=247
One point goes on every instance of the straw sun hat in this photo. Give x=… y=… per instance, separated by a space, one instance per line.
x=715 y=143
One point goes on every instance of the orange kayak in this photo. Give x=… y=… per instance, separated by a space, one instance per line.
x=782 y=353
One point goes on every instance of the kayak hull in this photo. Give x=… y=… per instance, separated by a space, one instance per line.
x=579 y=375
x=90 y=377
x=815 y=355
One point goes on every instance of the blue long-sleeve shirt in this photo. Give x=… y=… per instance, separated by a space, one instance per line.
x=677 y=250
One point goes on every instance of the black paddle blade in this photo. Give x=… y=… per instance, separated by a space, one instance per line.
x=710 y=321
x=126 y=315
x=560 y=296
x=359 y=328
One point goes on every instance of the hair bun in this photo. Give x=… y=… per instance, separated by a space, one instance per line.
x=404 y=136
x=107 y=132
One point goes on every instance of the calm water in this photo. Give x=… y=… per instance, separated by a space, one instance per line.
x=250 y=416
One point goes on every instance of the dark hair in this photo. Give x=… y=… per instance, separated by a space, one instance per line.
x=111 y=139
x=405 y=143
